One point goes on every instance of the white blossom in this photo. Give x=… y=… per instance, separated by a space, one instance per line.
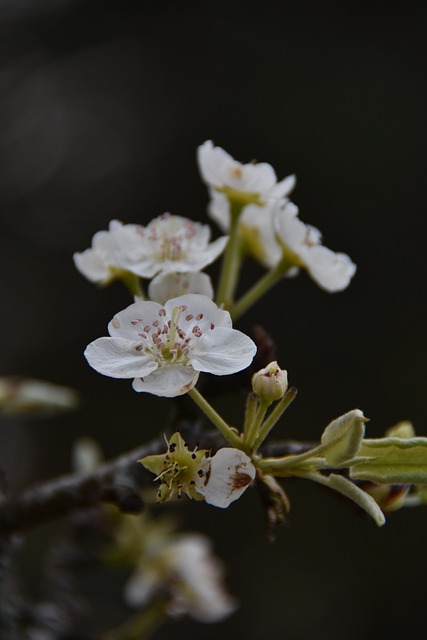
x=252 y=182
x=164 y=348
x=184 y=567
x=301 y=244
x=171 y=285
x=167 y=244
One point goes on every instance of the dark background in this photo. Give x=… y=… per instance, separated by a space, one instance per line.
x=102 y=106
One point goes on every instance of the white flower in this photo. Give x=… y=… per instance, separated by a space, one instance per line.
x=253 y=182
x=301 y=244
x=231 y=472
x=185 y=568
x=171 y=285
x=167 y=244
x=164 y=348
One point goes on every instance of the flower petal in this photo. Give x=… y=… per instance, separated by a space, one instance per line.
x=231 y=473
x=202 y=308
x=332 y=271
x=127 y=323
x=222 y=352
x=91 y=265
x=167 y=381
x=117 y=358
x=172 y=285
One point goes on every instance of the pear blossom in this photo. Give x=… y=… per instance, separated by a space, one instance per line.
x=167 y=244
x=164 y=348
x=301 y=245
x=171 y=285
x=246 y=183
x=184 y=568
x=219 y=480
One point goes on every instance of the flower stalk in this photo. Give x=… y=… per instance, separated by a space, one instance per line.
x=232 y=259
x=228 y=432
x=260 y=288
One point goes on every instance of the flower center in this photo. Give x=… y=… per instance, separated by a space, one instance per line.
x=171 y=236
x=166 y=340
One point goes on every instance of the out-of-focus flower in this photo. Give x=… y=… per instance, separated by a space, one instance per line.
x=167 y=244
x=219 y=480
x=301 y=245
x=244 y=183
x=164 y=348
x=182 y=569
x=271 y=382
x=19 y=395
x=171 y=285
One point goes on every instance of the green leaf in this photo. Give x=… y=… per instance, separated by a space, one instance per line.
x=350 y=491
x=392 y=461
x=342 y=438
x=361 y=498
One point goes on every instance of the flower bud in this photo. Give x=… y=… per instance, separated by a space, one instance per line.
x=270 y=383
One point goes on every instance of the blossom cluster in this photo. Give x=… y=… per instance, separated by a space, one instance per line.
x=180 y=326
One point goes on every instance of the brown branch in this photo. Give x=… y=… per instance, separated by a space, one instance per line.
x=117 y=481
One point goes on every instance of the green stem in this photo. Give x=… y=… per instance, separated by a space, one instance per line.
x=255 y=426
x=228 y=433
x=232 y=259
x=260 y=288
x=274 y=416
x=273 y=466
x=133 y=283
x=250 y=412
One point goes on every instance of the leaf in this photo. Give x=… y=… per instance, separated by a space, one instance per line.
x=392 y=461
x=342 y=438
x=361 y=498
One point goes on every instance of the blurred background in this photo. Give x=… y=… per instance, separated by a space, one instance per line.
x=102 y=107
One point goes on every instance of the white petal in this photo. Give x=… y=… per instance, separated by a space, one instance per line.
x=117 y=358
x=222 y=352
x=141 y=586
x=167 y=381
x=258 y=233
x=171 y=285
x=213 y=163
x=91 y=265
x=123 y=324
x=284 y=187
x=196 y=305
x=332 y=271
x=231 y=473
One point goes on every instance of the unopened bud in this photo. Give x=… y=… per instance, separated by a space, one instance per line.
x=270 y=383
